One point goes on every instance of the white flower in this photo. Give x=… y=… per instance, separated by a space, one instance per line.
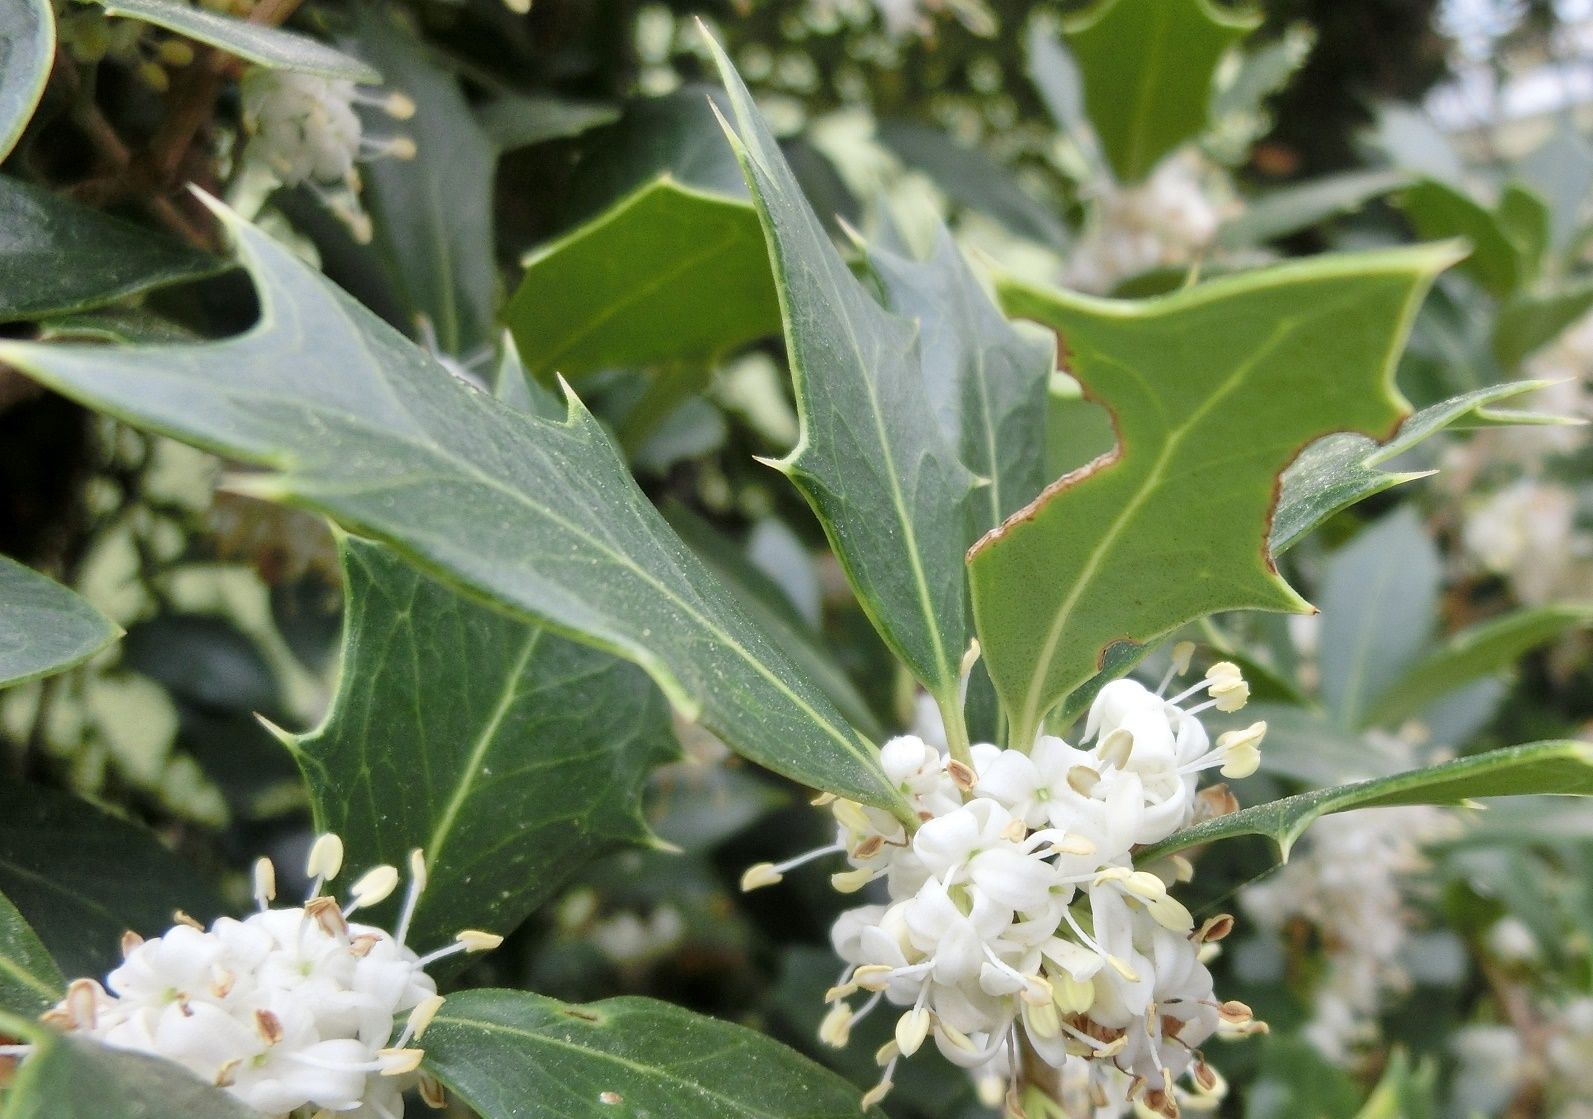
x=286 y=1009
x=1015 y=908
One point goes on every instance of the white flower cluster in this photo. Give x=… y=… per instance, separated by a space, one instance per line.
x=287 y=1009
x=304 y=130
x=1347 y=879
x=1016 y=915
x=1167 y=221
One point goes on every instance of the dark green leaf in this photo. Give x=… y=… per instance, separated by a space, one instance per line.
x=45 y=628
x=433 y=213
x=1557 y=768
x=110 y=258
x=1214 y=389
x=271 y=47
x=987 y=381
x=769 y=608
x=30 y=983
x=1525 y=219
x=72 y=1078
x=27 y=51
x=1147 y=68
x=873 y=461
x=504 y=1052
x=81 y=878
x=510 y=755
x=1478 y=650
x=539 y=516
x=1336 y=472
x=1379 y=604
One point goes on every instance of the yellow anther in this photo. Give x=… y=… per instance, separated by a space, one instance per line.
x=911 y=1029
x=475 y=940
x=759 y=875
x=326 y=857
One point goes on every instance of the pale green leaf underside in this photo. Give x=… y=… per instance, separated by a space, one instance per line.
x=503 y=1052
x=1479 y=650
x=111 y=258
x=880 y=473
x=1557 y=768
x=1147 y=68
x=1336 y=472
x=1291 y=209
x=669 y=273
x=30 y=981
x=72 y=1078
x=510 y=755
x=1213 y=391
x=271 y=47
x=539 y=516
x=27 y=50
x=44 y=627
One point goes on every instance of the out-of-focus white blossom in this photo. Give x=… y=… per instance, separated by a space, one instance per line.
x=628 y=939
x=1016 y=916
x=1528 y=532
x=1169 y=220
x=287 y=1009
x=1347 y=880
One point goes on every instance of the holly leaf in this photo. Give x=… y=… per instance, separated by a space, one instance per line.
x=872 y=460
x=27 y=51
x=539 y=516
x=1475 y=651
x=1342 y=469
x=30 y=983
x=1554 y=768
x=666 y=265
x=69 y=1077
x=620 y=1057
x=510 y=755
x=1438 y=210
x=81 y=877
x=433 y=213
x=111 y=258
x=1288 y=210
x=1147 y=68
x=1213 y=391
x=987 y=382
x=45 y=628
x=271 y=47
x=1531 y=320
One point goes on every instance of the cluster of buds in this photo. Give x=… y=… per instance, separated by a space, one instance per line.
x=291 y=1010
x=304 y=130
x=1016 y=925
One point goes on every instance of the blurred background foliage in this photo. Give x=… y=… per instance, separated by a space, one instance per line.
x=1452 y=976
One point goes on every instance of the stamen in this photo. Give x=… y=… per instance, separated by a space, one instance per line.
x=326 y=859
x=265 y=883
x=417 y=883
x=419 y=1019
x=373 y=887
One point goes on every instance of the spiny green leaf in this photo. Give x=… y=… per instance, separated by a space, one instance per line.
x=505 y=1051
x=1379 y=601
x=27 y=50
x=30 y=983
x=1478 y=650
x=433 y=213
x=669 y=273
x=1336 y=472
x=1213 y=391
x=1525 y=219
x=986 y=381
x=539 y=516
x=69 y=1077
x=82 y=878
x=110 y=258
x=519 y=120
x=45 y=628
x=510 y=755
x=872 y=460
x=271 y=47
x=1557 y=768
x=1147 y=68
